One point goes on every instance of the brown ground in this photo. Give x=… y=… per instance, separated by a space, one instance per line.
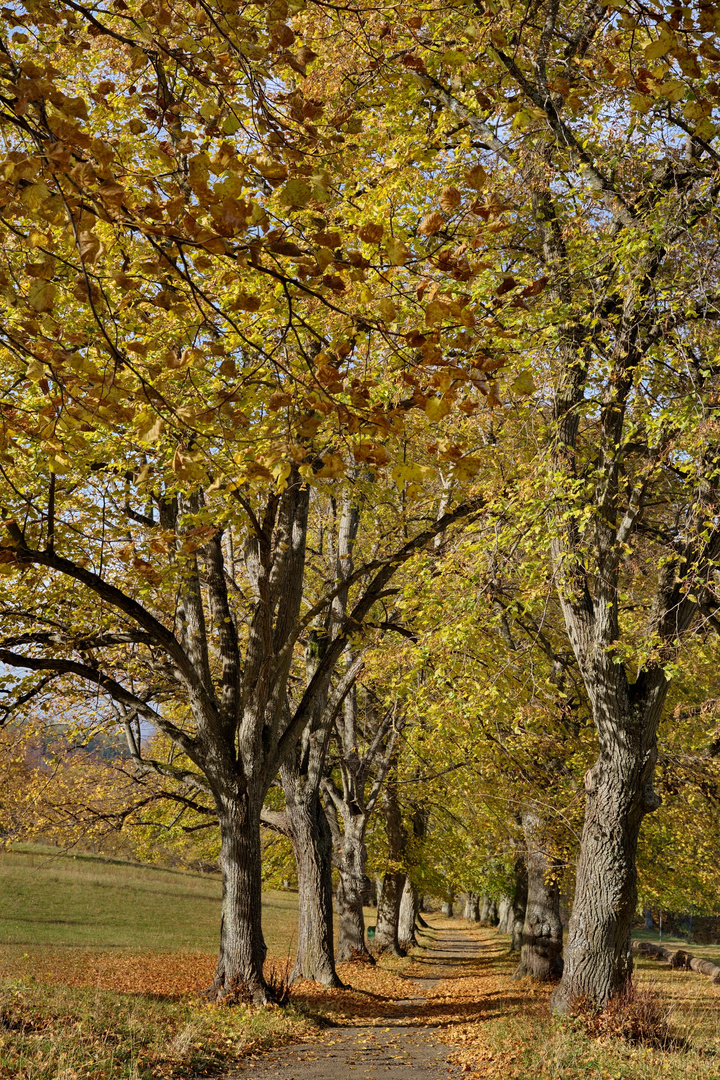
x=396 y=1039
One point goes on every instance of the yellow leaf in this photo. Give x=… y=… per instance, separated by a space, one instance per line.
x=296 y=193
x=661 y=46
x=641 y=103
x=436 y=408
x=34 y=195
x=35 y=371
x=387 y=309
x=524 y=383
x=673 y=90
x=332 y=465
x=476 y=177
x=397 y=251
x=42 y=296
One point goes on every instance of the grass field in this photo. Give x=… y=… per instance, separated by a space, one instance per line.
x=99 y=959
x=48 y=897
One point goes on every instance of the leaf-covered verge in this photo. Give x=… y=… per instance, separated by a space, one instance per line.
x=497 y=1028
x=503 y=1029
x=51 y=1031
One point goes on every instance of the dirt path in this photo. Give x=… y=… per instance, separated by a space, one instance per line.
x=403 y=1042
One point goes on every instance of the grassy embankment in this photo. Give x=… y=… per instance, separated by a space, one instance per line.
x=100 y=961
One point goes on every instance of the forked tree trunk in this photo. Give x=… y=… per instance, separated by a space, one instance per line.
x=541 y=954
x=408 y=911
x=242 y=953
x=350 y=891
x=312 y=843
x=472 y=907
x=598 y=957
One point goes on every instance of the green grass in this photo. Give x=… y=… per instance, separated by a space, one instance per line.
x=83 y=941
x=49 y=897
x=672 y=942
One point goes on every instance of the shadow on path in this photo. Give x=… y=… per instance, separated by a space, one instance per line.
x=400 y=1043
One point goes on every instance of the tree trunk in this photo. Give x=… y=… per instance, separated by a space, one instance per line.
x=519 y=904
x=541 y=955
x=598 y=956
x=408 y=911
x=649 y=921
x=485 y=910
x=447 y=908
x=492 y=915
x=351 y=888
x=387 y=930
x=505 y=915
x=312 y=843
x=472 y=907
x=388 y=911
x=242 y=953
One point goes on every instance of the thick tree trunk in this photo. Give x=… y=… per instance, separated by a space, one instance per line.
x=598 y=957
x=351 y=888
x=312 y=843
x=472 y=907
x=541 y=954
x=239 y=971
x=519 y=904
x=484 y=910
x=408 y=911
x=447 y=908
x=649 y=921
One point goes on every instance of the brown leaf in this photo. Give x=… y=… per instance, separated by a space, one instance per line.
x=432 y=223
x=450 y=199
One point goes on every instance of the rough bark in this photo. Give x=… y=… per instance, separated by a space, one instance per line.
x=312 y=844
x=351 y=859
x=354 y=803
x=505 y=915
x=472 y=907
x=541 y=953
x=408 y=912
x=388 y=910
x=519 y=904
x=239 y=972
x=484 y=907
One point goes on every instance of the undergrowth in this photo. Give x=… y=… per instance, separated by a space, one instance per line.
x=639 y=1014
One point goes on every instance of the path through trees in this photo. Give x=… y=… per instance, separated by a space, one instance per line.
x=390 y=1043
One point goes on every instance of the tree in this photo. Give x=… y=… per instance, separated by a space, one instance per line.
x=625 y=340
x=171 y=315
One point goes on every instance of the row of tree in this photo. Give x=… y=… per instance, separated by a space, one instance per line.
x=345 y=339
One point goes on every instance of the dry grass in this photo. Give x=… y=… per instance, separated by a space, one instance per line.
x=515 y=1038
